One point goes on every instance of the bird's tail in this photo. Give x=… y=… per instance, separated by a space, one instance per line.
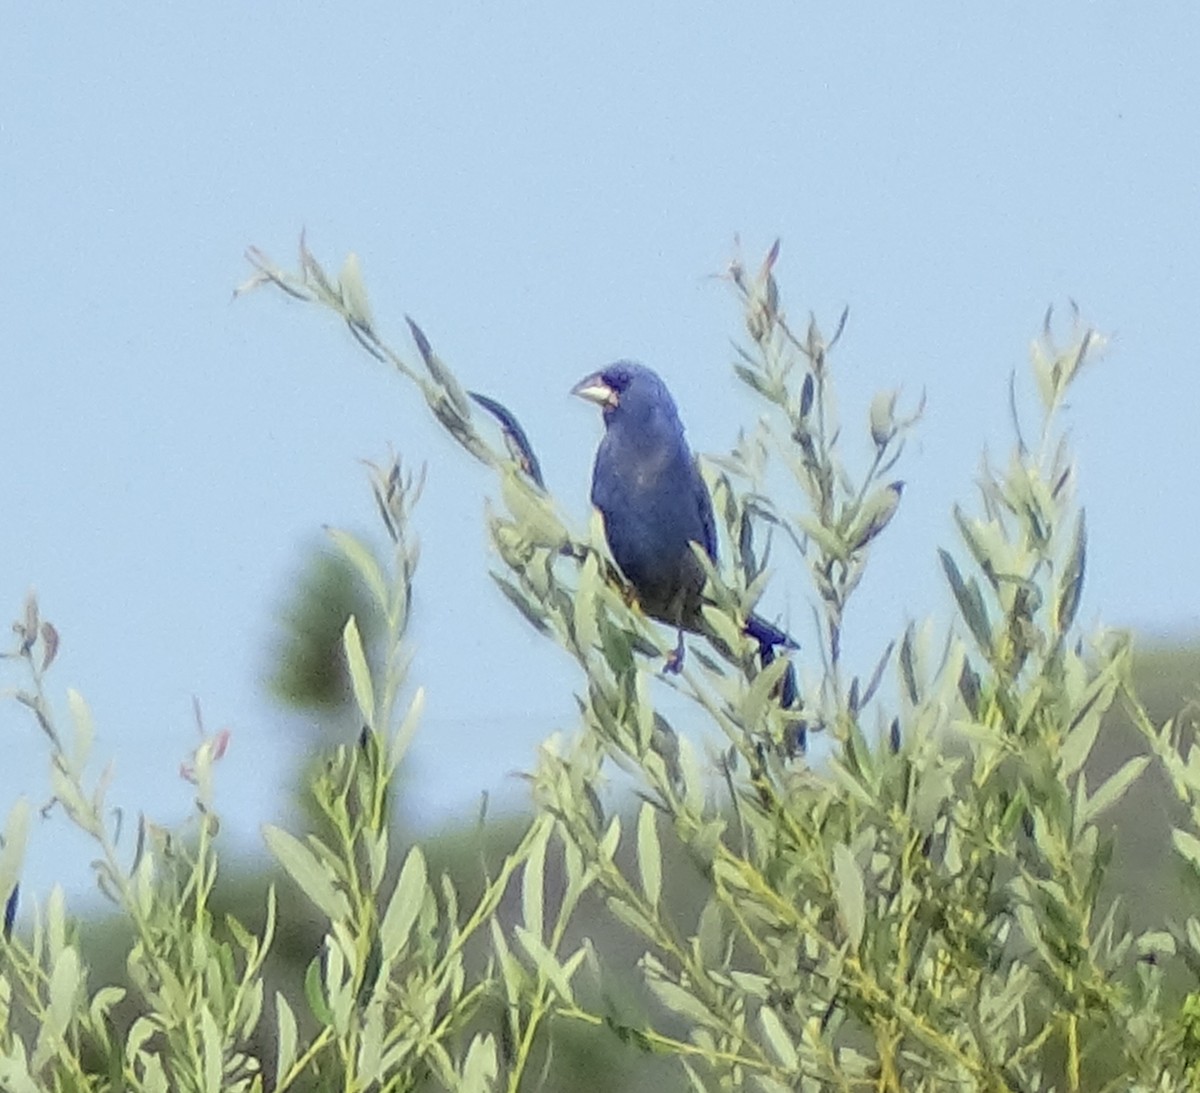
x=768 y=635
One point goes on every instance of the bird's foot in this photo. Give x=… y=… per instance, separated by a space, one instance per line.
x=674 y=661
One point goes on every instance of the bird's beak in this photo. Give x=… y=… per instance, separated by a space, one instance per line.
x=594 y=389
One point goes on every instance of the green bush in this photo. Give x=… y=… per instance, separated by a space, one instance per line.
x=926 y=909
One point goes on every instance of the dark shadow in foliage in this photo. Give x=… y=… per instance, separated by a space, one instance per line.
x=309 y=667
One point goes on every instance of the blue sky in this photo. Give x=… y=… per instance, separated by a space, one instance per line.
x=545 y=187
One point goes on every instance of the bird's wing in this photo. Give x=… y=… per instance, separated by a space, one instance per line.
x=704 y=506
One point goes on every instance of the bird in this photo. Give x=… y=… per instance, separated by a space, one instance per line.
x=655 y=505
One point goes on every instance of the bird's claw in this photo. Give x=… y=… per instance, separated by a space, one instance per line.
x=674 y=662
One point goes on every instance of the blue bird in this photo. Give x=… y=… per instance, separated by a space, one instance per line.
x=648 y=488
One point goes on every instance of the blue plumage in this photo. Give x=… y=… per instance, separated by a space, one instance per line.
x=654 y=502
x=649 y=490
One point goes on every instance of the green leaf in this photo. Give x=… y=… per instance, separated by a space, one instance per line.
x=722 y=626
x=710 y=935
x=81 y=719
x=139 y=1034
x=587 y=632
x=752 y=984
x=403 y=736
x=314 y=993
x=213 y=1051
x=1070 y=585
x=12 y=855
x=360 y=674
x=649 y=854
x=533 y=611
x=154 y=1080
x=303 y=867
x=875 y=515
x=934 y=786
x=759 y=696
x=848 y=890
x=64 y=986
x=14 y=1070
x=338 y=976
x=643 y=710
x=1156 y=943
x=548 y=965
x=970 y=603
x=285 y=1040
x=908 y=668
x=631 y=917
x=1188 y=845
x=354 y=292
x=370 y=1046
x=883 y=418
x=1077 y=745
x=533 y=887
x=56 y=922
x=536 y=519
x=1112 y=790
x=405 y=904
x=778 y=1038
x=479 y=1069
x=442 y=376
x=985 y=541
x=610 y=840
x=827 y=539
x=101 y=1005
x=512 y=972
x=681 y=1001
x=763 y=385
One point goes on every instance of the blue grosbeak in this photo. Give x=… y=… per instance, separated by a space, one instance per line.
x=655 y=504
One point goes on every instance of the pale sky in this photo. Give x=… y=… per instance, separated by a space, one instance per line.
x=545 y=187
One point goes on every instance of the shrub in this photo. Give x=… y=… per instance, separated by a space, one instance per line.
x=924 y=909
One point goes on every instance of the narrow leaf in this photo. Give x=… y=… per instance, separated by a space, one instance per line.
x=533 y=611
x=1188 y=845
x=970 y=603
x=851 y=898
x=12 y=855
x=398 y=746
x=479 y=1070
x=360 y=674
x=405 y=904
x=354 y=292
x=1112 y=790
x=681 y=1001
x=314 y=993
x=1070 y=588
x=285 y=1046
x=533 y=892
x=442 y=375
x=81 y=719
x=303 y=867
x=611 y=839
x=64 y=986
x=649 y=855
x=547 y=964
x=778 y=1038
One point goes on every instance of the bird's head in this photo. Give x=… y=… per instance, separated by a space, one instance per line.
x=628 y=392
